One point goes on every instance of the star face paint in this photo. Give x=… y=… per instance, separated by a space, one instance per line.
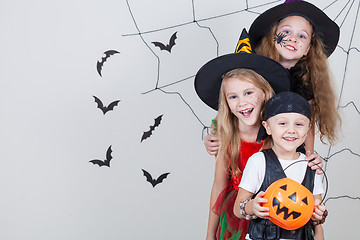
x=254 y=98
x=244 y=100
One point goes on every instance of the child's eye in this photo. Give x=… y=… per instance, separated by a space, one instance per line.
x=232 y=96
x=282 y=123
x=287 y=32
x=302 y=36
x=248 y=93
x=299 y=124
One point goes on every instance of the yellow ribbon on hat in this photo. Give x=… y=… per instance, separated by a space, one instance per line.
x=243 y=46
x=244 y=43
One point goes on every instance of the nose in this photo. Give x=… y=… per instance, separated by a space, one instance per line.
x=291 y=129
x=291 y=38
x=241 y=102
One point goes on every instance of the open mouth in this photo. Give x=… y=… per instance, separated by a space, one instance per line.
x=289 y=47
x=285 y=210
x=246 y=112
x=290 y=139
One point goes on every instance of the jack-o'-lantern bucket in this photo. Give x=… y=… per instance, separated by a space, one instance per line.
x=290 y=204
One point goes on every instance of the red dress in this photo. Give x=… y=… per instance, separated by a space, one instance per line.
x=231 y=227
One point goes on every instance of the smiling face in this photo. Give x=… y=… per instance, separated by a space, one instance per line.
x=245 y=100
x=296 y=32
x=288 y=131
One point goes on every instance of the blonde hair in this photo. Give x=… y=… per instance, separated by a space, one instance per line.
x=315 y=71
x=228 y=123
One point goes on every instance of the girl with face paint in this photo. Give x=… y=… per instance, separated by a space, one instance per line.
x=243 y=93
x=287 y=121
x=301 y=37
x=237 y=85
x=290 y=34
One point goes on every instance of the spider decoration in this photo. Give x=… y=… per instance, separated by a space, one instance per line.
x=279 y=38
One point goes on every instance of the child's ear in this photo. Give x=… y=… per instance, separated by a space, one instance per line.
x=267 y=127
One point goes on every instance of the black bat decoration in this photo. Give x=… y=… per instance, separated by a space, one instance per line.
x=166 y=47
x=148 y=133
x=103 y=108
x=154 y=182
x=100 y=63
x=105 y=162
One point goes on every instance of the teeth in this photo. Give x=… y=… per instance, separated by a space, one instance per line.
x=290 y=48
x=290 y=138
x=247 y=111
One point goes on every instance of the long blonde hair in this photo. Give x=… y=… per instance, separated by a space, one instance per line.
x=316 y=72
x=228 y=123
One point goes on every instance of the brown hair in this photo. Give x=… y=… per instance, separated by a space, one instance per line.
x=316 y=72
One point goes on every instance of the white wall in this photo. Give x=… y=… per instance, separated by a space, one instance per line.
x=51 y=127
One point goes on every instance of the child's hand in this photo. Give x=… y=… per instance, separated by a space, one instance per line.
x=258 y=210
x=319 y=211
x=316 y=163
x=212 y=144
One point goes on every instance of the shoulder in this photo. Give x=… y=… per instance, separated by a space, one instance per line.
x=256 y=161
x=302 y=156
x=300 y=162
x=257 y=156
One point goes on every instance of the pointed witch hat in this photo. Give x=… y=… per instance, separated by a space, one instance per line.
x=208 y=79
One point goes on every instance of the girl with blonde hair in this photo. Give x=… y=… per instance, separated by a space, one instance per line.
x=235 y=85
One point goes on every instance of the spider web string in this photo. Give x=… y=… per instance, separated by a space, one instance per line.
x=341 y=197
x=200 y=22
x=347 y=59
x=194 y=21
x=353 y=104
x=347 y=52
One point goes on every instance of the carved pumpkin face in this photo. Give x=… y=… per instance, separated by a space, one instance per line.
x=290 y=204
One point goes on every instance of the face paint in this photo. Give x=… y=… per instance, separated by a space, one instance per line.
x=244 y=100
x=279 y=38
x=254 y=99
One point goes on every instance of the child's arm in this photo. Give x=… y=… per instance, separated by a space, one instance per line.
x=317 y=215
x=211 y=141
x=309 y=148
x=220 y=182
x=317 y=162
x=319 y=232
x=252 y=207
x=212 y=144
x=310 y=140
x=310 y=155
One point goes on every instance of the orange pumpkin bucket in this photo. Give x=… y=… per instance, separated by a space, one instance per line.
x=290 y=204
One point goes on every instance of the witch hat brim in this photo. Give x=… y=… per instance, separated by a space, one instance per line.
x=208 y=79
x=327 y=30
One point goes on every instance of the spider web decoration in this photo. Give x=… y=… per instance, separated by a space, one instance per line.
x=52 y=126
x=343 y=63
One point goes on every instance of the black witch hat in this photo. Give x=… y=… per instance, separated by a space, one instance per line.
x=208 y=79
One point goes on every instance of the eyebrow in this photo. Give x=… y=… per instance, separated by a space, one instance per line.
x=245 y=90
x=230 y=93
x=289 y=26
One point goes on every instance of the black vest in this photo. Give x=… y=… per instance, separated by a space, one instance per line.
x=260 y=228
